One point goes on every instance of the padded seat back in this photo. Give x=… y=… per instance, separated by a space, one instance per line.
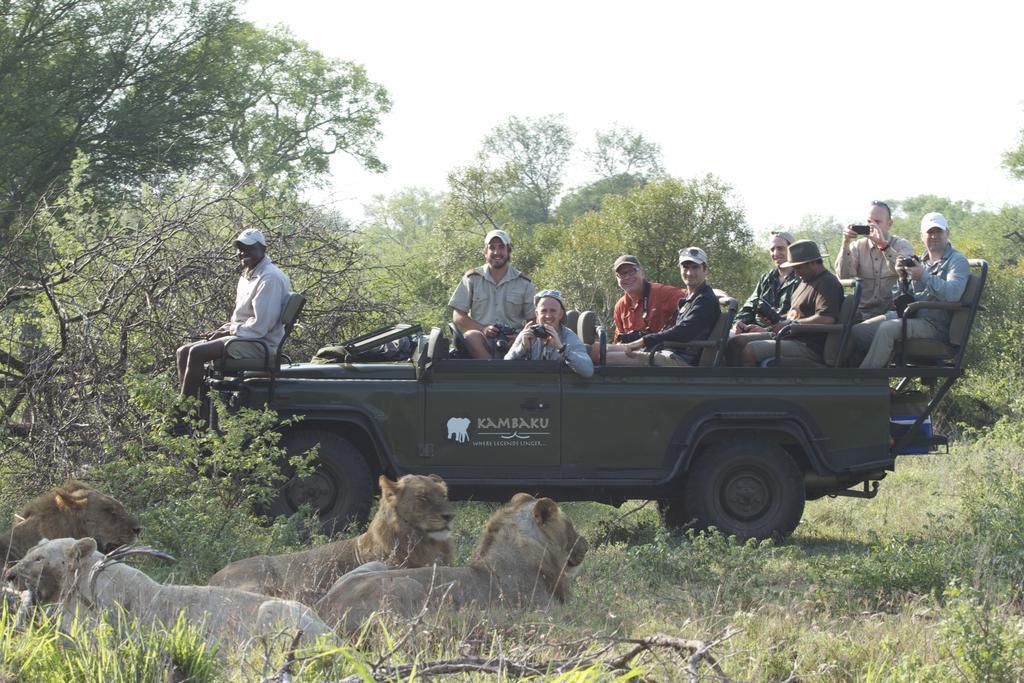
x=951 y=351
x=713 y=355
x=837 y=344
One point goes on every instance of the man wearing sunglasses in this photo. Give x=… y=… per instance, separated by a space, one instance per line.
x=696 y=315
x=645 y=306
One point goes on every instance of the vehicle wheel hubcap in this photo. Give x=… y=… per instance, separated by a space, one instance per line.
x=746 y=497
x=315 y=490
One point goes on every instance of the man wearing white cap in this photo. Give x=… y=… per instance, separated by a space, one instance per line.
x=492 y=297
x=259 y=302
x=940 y=276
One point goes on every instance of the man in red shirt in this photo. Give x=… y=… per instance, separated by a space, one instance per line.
x=645 y=307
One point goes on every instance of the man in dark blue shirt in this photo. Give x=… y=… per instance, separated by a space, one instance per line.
x=698 y=312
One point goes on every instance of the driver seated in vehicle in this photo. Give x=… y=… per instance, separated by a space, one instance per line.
x=549 y=339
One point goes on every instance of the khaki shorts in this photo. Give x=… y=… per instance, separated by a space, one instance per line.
x=241 y=348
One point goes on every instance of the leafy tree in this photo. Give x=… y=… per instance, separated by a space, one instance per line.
x=653 y=222
x=589 y=197
x=1013 y=160
x=149 y=89
x=623 y=151
x=534 y=151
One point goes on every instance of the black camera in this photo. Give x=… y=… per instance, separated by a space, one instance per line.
x=764 y=310
x=632 y=336
x=539 y=331
x=907 y=261
x=861 y=229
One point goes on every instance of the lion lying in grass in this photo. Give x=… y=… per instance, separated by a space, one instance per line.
x=526 y=556
x=412 y=528
x=70 y=511
x=65 y=571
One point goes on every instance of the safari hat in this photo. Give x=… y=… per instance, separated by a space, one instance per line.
x=500 y=234
x=624 y=259
x=800 y=252
x=251 y=236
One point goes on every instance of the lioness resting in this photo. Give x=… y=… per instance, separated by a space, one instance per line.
x=70 y=511
x=61 y=571
x=412 y=528
x=526 y=556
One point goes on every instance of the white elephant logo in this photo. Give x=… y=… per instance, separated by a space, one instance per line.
x=458 y=429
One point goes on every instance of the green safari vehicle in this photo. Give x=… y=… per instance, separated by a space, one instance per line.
x=740 y=449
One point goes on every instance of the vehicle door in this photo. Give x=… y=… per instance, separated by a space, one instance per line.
x=499 y=417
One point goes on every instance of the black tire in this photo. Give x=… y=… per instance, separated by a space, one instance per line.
x=340 y=488
x=746 y=488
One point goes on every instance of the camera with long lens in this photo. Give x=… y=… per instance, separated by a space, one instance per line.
x=539 y=331
x=764 y=310
x=501 y=342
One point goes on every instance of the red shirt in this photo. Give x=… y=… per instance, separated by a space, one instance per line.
x=662 y=305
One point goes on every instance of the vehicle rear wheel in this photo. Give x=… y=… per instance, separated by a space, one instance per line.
x=746 y=488
x=340 y=488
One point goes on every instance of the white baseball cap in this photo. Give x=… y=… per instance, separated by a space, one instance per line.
x=934 y=220
x=251 y=236
x=501 y=235
x=693 y=255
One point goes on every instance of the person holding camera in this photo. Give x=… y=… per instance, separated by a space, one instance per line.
x=492 y=301
x=769 y=302
x=696 y=315
x=645 y=306
x=818 y=299
x=870 y=253
x=941 y=275
x=549 y=339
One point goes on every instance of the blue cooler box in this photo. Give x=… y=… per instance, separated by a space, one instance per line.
x=920 y=443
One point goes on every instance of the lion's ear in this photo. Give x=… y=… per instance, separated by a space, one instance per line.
x=435 y=477
x=388 y=488
x=67 y=501
x=545 y=510
x=521 y=498
x=82 y=548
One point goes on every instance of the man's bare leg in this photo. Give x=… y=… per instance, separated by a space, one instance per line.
x=197 y=356
x=478 y=345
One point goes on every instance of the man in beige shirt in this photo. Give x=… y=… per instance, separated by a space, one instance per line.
x=490 y=297
x=872 y=258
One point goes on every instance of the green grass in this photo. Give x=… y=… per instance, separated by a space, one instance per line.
x=921 y=583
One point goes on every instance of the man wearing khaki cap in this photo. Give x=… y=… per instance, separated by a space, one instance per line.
x=492 y=301
x=645 y=306
x=260 y=299
x=818 y=299
x=696 y=315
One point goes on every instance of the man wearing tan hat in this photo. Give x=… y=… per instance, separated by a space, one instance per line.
x=817 y=300
x=260 y=299
x=645 y=307
x=492 y=301
x=696 y=315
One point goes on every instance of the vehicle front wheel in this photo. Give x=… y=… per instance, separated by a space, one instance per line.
x=746 y=488
x=340 y=488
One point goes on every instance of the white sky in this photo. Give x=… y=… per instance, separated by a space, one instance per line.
x=803 y=107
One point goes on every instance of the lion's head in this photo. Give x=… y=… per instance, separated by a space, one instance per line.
x=50 y=568
x=420 y=502
x=533 y=537
x=76 y=511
